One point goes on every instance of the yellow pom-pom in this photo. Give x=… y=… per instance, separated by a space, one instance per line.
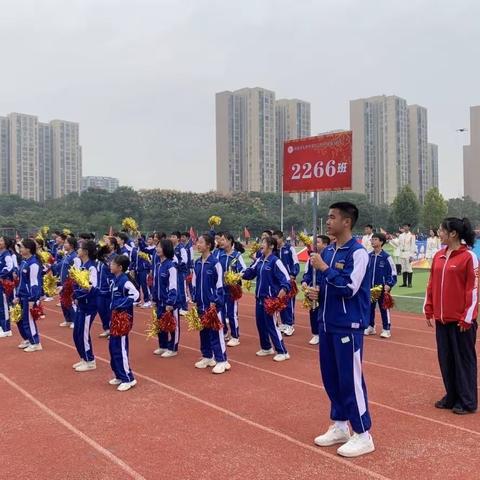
x=193 y=319
x=232 y=278
x=214 y=220
x=254 y=248
x=44 y=256
x=39 y=236
x=130 y=225
x=145 y=256
x=153 y=327
x=66 y=231
x=50 y=284
x=16 y=313
x=44 y=230
x=247 y=284
x=80 y=277
x=375 y=293
x=307 y=303
x=305 y=239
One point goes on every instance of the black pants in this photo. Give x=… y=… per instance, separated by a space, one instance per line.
x=458 y=363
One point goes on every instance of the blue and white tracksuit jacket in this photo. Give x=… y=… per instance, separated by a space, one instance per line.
x=6 y=273
x=86 y=310
x=233 y=261
x=67 y=261
x=182 y=272
x=104 y=297
x=381 y=271
x=343 y=315
x=142 y=268
x=272 y=276
x=124 y=294
x=28 y=292
x=165 y=295
x=288 y=255
x=308 y=279
x=207 y=288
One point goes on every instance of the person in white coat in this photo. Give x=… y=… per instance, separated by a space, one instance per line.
x=367 y=238
x=395 y=243
x=433 y=245
x=408 y=249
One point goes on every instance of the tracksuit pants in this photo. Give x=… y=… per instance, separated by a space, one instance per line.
x=385 y=314
x=230 y=314
x=70 y=313
x=142 y=281
x=314 y=321
x=118 y=347
x=341 y=367
x=288 y=314
x=27 y=326
x=182 y=297
x=4 y=313
x=458 y=364
x=169 y=340
x=268 y=331
x=212 y=343
x=81 y=334
x=104 y=310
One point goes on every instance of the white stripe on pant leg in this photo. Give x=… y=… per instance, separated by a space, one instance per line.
x=221 y=336
x=177 y=328
x=86 y=328
x=357 y=382
x=388 y=316
x=126 y=365
x=5 y=308
x=235 y=315
x=33 y=329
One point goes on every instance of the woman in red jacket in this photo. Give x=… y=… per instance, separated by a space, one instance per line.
x=452 y=301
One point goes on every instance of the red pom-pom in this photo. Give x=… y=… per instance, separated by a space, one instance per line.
x=16 y=281
x=37 y=312
x=388 y=301
x=274 y=305
x=150 y=280
x=51 y=260
x=293 y=289
x=189 y=279
x=235 y=291
x=210 y=319
x=8 y=287
x=121 y=323
x=66 y=295
x=167 y=322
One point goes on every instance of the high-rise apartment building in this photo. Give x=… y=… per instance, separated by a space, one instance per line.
x=45 y=161
x=420 y=173
x=433 y=165
x=105 y=183
x=4 y=156
x=245 y=140
x=471 y=157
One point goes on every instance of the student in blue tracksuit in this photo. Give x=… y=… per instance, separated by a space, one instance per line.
x=142 y=268
x=28 y=295
x=182 y=270
x=124 y=294
x=231 y=259
x=288 y=256
x=68 y=260
x=86 y=301
x=105 y=255
x=207 y=284
x=381 y=271
x=6 y=273
x=255 y=256
x=218 y=250
x=272 y=281
x=188 y=243
x=165 y=297
x=307 y=281
x=124 y=245
x=343 y=315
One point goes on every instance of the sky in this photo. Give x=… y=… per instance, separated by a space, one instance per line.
x=140 y=76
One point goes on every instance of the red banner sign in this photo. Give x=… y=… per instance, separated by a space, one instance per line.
x=318 y=163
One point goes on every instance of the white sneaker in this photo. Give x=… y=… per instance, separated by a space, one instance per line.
x=24 y=344
x=65 y=324
x=205 y=362
x=147 y=305
x=288 y=330
x=265 y=353
x=370 y=331
x=386 y=334
x=58 y=305
x=221 y=367
x=33 y=348
x=183 y=312
x=281 y=327
x=48 y=299
x=75 y=365
x=159 y=351
x=332 y=436
x=6 y=334
x=123 y=387
x=72 y=325
x=281 y=357
x=104 y=334
x=168 y=354
x=86 y=366
x=233 y=342
x=136 y=304
x=315 y=340
x=115 y=381
x=357 y=445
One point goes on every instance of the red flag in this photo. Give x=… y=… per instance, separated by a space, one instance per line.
x=246 y=233
x=110 y=232
x=193 y=235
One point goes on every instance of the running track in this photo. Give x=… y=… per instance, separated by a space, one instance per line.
x=257 y=421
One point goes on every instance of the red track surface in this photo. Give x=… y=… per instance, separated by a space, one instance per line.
x=257 y=421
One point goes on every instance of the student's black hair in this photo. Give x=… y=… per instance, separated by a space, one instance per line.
x=102 y=253
x=368 y=225
x=123 y=236
x=72 y=241
x=219 y=233
x=347 y=210
x=167 y=248
x=58 y=233
x=160 y=235
x=86 y=236
x=63 y=236
x=122 y=261
x=381 y=236
x=151 y=235
x=209 y=240
x=271 y=242
x=434 y=230
x=40 y=242
x=462 y=226
x=278 y=233
x=176 y=233
x=30 y=245
x=236 y=245
x=9 y=243
x=270 y=233
x=409 y=225
x=186 y=234
x=325 y=239
x=114 y=243
x=90 y=247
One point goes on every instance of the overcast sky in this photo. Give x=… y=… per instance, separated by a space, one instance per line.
x=140 y=76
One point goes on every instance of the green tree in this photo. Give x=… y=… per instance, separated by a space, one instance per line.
x=405 y=208
x=435 y=209
x=464 y=207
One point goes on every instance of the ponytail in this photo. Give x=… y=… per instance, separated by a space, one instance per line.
x=463 y=227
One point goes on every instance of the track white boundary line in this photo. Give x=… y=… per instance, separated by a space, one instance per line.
x=92 y=443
